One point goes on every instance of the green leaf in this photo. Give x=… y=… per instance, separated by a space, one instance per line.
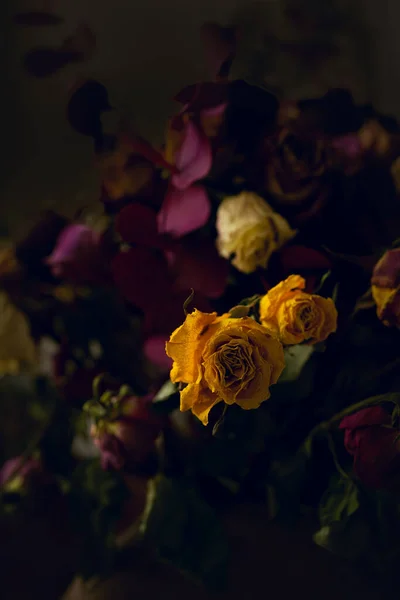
x=186 y=532
x=96 y=500
x=339 y=501
x=350 y=539
x=167 y=398
x=297 y=379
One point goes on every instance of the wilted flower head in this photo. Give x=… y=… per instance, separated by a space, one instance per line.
x=250 y=231
x=126 y=431
x=374 y=444
x=386 y=287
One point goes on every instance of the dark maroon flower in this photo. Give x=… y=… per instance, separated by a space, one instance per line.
x=386 y=287
x=112 y=455
x=387 y=270
x=127 y=442
x=370 y=438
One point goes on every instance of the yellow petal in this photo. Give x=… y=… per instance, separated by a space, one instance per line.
x=199 y=400
x=270 y=303
x=186 y=344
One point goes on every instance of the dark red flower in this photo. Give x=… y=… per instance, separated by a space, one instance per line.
x=126 y=443
x=370 y=438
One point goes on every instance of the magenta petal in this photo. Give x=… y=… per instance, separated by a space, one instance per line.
x=74 y=241
x=154 y=350
x=194 y=158
x=184 y=211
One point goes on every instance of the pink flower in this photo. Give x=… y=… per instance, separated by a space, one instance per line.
x=77 y=257
x=186 y=206
x=370 y=438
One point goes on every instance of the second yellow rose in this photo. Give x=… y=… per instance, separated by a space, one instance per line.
x=294 y=316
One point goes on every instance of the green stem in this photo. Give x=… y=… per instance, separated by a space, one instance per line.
x=25 y=456
x=332 y=448
x=374 y=400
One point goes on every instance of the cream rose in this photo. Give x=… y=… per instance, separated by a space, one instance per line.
x=250 y=231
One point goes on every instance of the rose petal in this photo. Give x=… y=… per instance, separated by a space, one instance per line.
x=137 y=224
x=184 y=211
x=194 y=158
x=141 y=276
x=198 y=266
x=387 y=270
x=373 y=415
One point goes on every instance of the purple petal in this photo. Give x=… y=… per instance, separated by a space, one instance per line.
x=194 y=158
x=184 y=211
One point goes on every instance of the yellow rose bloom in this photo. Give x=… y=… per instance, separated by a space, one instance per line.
x=222 y=359
x=250 y=231
x=295 y=316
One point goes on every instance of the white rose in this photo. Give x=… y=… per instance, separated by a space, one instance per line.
x=250 y=231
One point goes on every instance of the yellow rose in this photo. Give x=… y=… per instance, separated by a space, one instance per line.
x=295 y=316
x=250 y=231
x=222 y=359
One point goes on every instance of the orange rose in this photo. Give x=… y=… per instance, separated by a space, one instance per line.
x=295 y=316
x=222 y=359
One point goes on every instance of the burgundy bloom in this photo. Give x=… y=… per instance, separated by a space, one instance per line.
x=370 y=438
x=112 y=455
x=130 y=440
x=77 y=257
x=387 y=270
x=386 y=288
